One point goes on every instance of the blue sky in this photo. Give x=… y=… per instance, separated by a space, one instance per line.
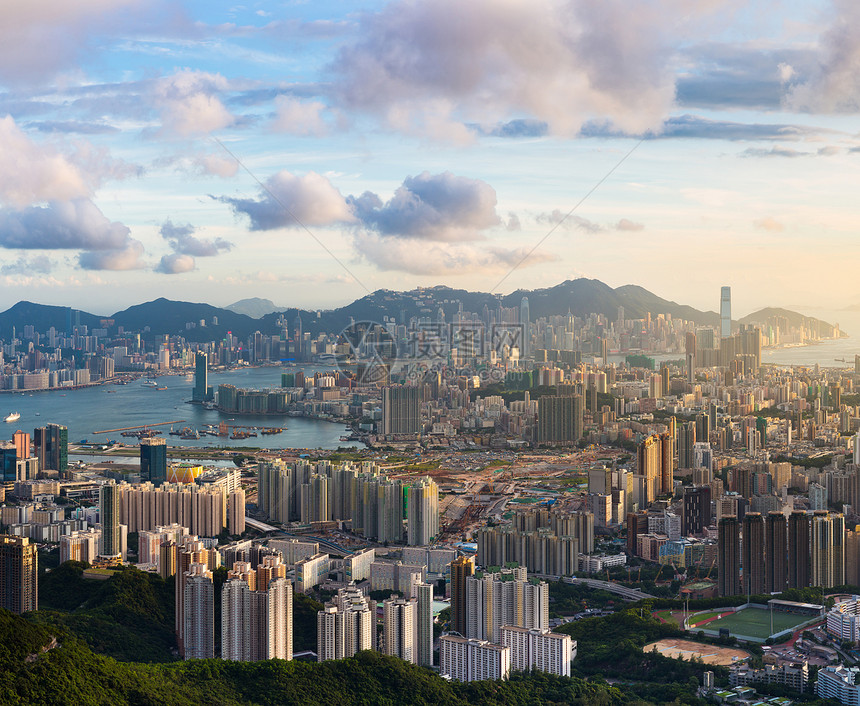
x=309 y=152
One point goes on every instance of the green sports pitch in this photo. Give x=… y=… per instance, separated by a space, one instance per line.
x=756 y=622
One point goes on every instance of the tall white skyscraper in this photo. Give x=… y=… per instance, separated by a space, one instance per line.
x=346 y=625
x=725 y=312
x=398 y=630
x=256 y=625
x=505 y=598
x=236 y=620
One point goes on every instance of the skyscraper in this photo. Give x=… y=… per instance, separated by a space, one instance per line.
x=686 y=444
x=52 y=448
x=199 y=615
x=423 y=594
x=461 y=568
x=725 y=312
x=422 y=512
x=775 y=572
x=19 y=574
x=728 y=556
x=202 y=392
x=401 y=410
x=559 y=419
x=752 y=555
x=827 y=549
x=153 y=460
x=109 y=519
x=651 y=466
x=398 y=628
x=798 y=550
x=525 y=323
x=697 y=510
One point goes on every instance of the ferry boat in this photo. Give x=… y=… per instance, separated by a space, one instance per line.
x=149 y=383
x=13 y=417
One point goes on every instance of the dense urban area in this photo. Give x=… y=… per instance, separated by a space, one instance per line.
x=570 y=508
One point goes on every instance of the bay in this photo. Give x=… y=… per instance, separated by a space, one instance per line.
x=102 y=407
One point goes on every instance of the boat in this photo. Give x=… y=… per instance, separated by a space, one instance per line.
x=13 y=417
x=149 y=383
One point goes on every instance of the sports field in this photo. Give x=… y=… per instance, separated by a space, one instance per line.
x=756 y=622
x=687 y=649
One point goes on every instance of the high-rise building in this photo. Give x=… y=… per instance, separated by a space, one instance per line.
x=697 y=510
x=199 y=615
x=202 y=392
x=726 y=312
x=398 y=628
x=109 y=520
x=21 y=440
x=775 y=553
x=8 y=462
x=752 y=556
x=236 y=512
x=423 y=595
x=798 y=550
x=52 y=448
x=461 y=568
x=473 y=660
x=728 y=556
x=559 y=419
x=525 y=323
x=153 y=460
x=538 y=649
x=19 y=574
x=686 y=445
x=827 y=549
x=651 y=466
x=667 y=463
x=505 y=597
x=346 y=626
x=236 y=620
x=401 y=410
x=422 y=512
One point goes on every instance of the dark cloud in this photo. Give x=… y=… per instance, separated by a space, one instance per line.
x=291 y=201
x=697 y=127
x=441 y=207
x=76 y=224
x=523 y=127
x=126 y=258
x=38 y=264
x=184 y=242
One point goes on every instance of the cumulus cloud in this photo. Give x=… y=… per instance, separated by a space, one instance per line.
x=126 y=258
x=41 y=37
x=303 y=118
x=39 y=173
x=436 y=259
x=189 y=103
x=184 y=242
x=557 y=62
x=441 y=207
x=833 y=85
x=290 y=201
x=175 y=263
x=76 y=224
x=216 y=165
x=769 y=224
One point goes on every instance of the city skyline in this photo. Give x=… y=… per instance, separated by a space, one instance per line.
x=142 y=141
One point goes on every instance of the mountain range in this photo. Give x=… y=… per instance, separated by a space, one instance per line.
x=203 y=322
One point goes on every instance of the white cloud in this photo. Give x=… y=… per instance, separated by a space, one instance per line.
x=76 y=224
x=189 y=103
x=33 y=172
x=769 y=224
x=560 y=61
x=292 y=200
x=175 y=263
x=303 y=118
x=216 y=165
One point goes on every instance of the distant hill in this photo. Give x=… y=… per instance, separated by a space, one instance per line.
x=254 y=307
x=580 y=297
x=794 y=319
x=167 y=316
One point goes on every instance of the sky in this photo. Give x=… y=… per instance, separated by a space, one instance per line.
x=312 y=152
